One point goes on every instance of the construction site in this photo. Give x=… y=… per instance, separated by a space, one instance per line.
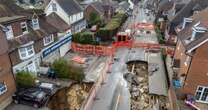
x=70 y=98
x=138 y=84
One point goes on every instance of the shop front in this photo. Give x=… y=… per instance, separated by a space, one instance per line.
x=57 y=50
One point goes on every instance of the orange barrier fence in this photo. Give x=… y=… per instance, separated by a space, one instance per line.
x=109 y=50
x=92 y=49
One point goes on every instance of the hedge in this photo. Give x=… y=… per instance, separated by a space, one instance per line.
x=111 y=27
x=84 y=38
x=25 y=79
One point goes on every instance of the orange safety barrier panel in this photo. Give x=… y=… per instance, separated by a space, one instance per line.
x=109 y=50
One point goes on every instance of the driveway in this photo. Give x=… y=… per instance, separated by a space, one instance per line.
x=22 y=107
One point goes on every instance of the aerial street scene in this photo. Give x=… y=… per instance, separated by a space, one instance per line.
x=103 y=54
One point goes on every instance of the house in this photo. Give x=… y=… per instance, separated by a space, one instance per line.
x=7 y=83
x=184 y=8
x=70 y=11
x=124 y=7
x=63 y=44
x=104 y=9
x=190 y=59
x=27 y=33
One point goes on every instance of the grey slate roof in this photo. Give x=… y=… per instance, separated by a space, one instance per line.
x=57 y=22
x=98 y=6
x=70 y=6
x=125 y=5
x=188 y=10
x=187 y=32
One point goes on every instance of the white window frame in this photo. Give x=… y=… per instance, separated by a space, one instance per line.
x=1 y=87
x=54 y=7
x=201 y=94
x=24 y=25
x=31 y=67
x=26 y=52
x=51 y=37
x=9 y=32
x=35 y=23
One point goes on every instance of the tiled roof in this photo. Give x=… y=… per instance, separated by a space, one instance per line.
x=57 y=22
x=186 y=33
x=166 y=5
x=34 y=35
x=70 y=6
x=188 y=10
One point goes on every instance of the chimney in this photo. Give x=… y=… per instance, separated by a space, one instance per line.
x=197 y=29
x=185 y=21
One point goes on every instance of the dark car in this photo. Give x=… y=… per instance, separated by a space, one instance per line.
x=33 y=96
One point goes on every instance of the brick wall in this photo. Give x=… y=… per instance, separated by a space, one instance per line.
x=198 y=73
x=6 y=77
x=181 y=55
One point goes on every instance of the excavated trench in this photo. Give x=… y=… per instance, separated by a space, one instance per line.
x=70 y=98
x=137 y=79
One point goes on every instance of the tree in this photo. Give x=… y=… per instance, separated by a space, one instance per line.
x=25 y=79
x=94 y=19
x=66 y=70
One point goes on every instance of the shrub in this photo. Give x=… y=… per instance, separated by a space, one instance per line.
x=25 y=79
x=111 y=27
x=84 y=38
x=61 y=69
x=66 y=70
x=94 y=19
x=160 y=37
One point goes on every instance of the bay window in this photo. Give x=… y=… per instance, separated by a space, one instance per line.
x=26 y=52
x=31 y=67
x=48 y=40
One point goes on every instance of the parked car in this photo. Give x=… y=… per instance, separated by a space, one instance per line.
x=47 y=87
x=33 y=96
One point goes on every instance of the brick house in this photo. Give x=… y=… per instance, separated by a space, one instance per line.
x=7 y=83
x=190 y=59
x=27 y=33
x=183 y=9
x=70 y=11
x=104 y=10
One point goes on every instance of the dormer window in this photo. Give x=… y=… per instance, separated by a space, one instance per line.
x=35 y=23
x=197 y=29
x=185 y=21
x=9 y=32
x=24 y=27
x=54 y=7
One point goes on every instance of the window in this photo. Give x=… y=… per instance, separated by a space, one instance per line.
x=202 y=94
x=3 y=88
x=54 y=8
x=48 y=40
x=24 y=27
x=9 y=32
x=30 y=67
x=26 y=52
x=35 y=23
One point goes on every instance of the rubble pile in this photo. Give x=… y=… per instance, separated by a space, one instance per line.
x=70 y=98
x=138 y=86
x=76 y=95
